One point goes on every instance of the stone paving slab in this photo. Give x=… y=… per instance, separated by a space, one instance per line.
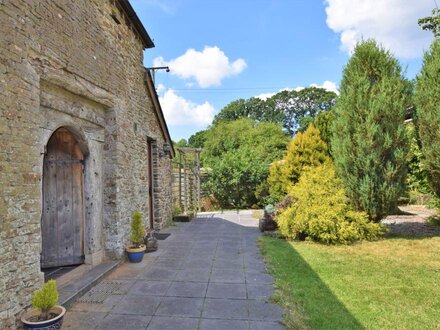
x=225 y=309
x=226 y=290
x=208 y=274
x=77 y=282
x=124 y=321
x=150 y=288
x=187 y=290
x=219 y=324
x=83 y=320
x=167 y=322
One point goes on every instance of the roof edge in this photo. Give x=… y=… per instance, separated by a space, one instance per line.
x=158 y=110
x=134 y=19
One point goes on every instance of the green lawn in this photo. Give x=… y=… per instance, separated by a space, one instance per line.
x=389 y=284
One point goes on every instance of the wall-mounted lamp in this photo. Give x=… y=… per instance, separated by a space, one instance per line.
x=166 y=149
x=155 y=68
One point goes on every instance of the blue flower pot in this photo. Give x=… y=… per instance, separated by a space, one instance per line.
x=136 y=254
x=52 y=324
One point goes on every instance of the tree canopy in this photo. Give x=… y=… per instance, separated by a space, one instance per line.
x=238 y=154
x=197 y=140
x=431 y=23
x=294 y=110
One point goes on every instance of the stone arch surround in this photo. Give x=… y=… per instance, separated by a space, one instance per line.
x=85 y=119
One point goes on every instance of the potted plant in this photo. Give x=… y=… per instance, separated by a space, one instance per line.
x=135 y=251
x=186 y=216
x=267 y=223
x=46 y=314
x=178 y=216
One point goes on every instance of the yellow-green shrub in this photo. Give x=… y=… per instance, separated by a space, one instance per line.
x=276 y=180
x=137 y=231
x=45 y=298
x=305 y=149
x=320 y=211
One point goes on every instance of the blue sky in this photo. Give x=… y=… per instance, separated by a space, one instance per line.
x=222 y=50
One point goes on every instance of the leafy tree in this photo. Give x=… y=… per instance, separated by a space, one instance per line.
x=320 y=211
x=369 y=142
x=253 y=108
x=427 y=100
x=302 y=106
x=431 y=23
x=305 y=150
x=181 y=143
x=268 y=111
x=238 y=154
x=292 y=109
x=234 y=179
x=267 y=139
x=197 y=140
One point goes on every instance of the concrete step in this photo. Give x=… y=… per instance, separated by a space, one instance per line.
x=78 y=281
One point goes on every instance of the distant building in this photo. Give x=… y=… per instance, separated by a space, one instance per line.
x=83 y=141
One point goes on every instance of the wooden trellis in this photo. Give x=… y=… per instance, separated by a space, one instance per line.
x=188 y=179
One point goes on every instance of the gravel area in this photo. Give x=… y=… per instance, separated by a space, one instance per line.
x=413 y=222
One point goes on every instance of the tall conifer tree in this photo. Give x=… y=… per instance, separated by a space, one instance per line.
x=369 y=142
x=427 y=101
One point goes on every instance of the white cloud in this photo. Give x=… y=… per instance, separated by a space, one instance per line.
x=208 y=67
x=393 y=23
x=179 y=111
x=328 y=85
x=265 y=96
x=160 y=88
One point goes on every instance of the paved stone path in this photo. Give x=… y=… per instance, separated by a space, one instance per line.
x=208 y=274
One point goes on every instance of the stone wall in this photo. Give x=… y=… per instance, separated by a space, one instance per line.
x=162 y=174
x=70 y=64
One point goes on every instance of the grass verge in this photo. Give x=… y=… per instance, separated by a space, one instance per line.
x=388 y=284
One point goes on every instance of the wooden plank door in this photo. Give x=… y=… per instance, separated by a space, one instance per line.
x=62 y=223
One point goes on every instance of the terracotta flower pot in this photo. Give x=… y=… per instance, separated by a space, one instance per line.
x=52 y=324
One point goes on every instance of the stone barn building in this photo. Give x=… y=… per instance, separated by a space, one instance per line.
x=83 y=141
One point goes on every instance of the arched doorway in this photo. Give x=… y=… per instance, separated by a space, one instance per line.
x=62 y=221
